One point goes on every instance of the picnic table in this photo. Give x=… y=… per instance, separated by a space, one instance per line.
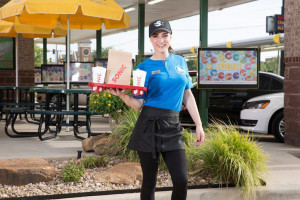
x=14 y=101
x=58 y=113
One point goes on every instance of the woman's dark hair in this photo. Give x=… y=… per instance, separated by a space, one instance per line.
x=171 y=50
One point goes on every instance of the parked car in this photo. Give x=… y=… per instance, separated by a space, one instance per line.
x=264 y=114
x=226 y=104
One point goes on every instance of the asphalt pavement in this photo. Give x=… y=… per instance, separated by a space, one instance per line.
x=283 y=181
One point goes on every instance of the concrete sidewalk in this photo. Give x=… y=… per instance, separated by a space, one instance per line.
x=284 y=164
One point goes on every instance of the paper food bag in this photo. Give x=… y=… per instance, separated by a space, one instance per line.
x=118 y=67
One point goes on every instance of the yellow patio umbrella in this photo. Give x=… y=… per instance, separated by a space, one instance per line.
x=83 y=14
x=72 y=14
x=9 y=29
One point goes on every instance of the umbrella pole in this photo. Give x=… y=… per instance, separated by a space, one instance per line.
x=68 y=69
x=17 y=68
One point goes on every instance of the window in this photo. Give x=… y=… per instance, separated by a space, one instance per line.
x=264 y=82
x=276 y=85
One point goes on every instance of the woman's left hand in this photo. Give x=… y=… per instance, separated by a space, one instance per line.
x=116 y=92
x=200 y=135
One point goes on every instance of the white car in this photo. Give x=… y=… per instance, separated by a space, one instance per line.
x=264 y=114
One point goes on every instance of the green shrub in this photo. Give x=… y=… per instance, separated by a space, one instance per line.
x=231 y=157
x=106 y=103
x=72 y=172
x=94 y=161
x=193 y=159
x=101 y=161
x=88 y=162
x=127 y=121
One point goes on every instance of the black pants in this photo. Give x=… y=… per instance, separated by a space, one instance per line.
x=176 y=163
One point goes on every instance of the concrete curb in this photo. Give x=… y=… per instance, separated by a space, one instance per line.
x=263 y=193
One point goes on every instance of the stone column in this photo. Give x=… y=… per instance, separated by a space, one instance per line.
x=292 y=72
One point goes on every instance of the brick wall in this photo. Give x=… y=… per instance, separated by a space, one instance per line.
x=26 y=66
x=292 y=72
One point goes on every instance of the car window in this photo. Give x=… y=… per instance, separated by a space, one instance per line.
x=276 y=85
x=264 y=82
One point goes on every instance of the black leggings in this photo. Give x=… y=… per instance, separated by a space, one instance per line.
x=176 y=163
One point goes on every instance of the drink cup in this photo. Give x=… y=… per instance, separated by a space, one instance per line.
x=139 y=77
x=98 y=74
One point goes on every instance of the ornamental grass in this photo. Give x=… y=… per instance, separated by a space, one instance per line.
x=127 y=120
x=232 y=158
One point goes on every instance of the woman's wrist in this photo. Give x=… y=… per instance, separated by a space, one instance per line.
x=199 y=126
x=123 y=96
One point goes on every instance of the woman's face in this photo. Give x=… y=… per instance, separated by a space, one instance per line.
x=161 y=41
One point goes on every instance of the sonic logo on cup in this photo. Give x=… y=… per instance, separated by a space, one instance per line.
x=99 y=78
x=139 y=80
x=117 y=75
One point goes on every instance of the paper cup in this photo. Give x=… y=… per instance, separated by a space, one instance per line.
x=99 y=74
x=139 y=77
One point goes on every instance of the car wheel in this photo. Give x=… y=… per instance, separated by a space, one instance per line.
x=278 y=126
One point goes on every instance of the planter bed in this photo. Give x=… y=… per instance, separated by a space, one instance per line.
x=57 y=188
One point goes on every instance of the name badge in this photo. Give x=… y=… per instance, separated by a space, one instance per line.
x=155 y=72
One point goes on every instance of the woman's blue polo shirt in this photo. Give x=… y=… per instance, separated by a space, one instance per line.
x=166 y=82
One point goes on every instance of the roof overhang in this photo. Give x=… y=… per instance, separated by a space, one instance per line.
x=167 y=9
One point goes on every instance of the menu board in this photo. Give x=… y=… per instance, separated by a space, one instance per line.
x=228 y=67
x=37 y=75
x=52 y=73
x=80 y=72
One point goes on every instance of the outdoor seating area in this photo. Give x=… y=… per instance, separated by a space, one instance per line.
x=46 y=114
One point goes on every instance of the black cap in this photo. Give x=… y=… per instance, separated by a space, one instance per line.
x=159 y=24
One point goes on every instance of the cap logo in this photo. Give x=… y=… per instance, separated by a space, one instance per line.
x=158 y=23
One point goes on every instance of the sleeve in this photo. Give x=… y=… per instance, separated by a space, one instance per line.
x=189 y=84
x=141 y=66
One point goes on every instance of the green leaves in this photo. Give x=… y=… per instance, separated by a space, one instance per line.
x=231 y=157
x=123 y=131
x=94 y=161
x=72 y=172
x=106 y=103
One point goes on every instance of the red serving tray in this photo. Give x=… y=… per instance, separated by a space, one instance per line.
x=135 y=90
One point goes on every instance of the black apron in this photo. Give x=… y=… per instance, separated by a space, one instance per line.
x=157 y=130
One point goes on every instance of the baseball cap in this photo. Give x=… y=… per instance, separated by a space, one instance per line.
x=159 y=24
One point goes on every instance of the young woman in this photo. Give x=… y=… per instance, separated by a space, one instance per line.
x=158 y=129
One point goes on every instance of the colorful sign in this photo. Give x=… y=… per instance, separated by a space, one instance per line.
x=37 y=75
x=228 y=68
x=52 y=73
x=80 y=72
x=279 y=23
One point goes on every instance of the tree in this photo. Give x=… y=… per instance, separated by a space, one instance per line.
x=38 y=56
x=270 y=66
x=104 y=53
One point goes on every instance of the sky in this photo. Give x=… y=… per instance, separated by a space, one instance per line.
x=241 y=22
